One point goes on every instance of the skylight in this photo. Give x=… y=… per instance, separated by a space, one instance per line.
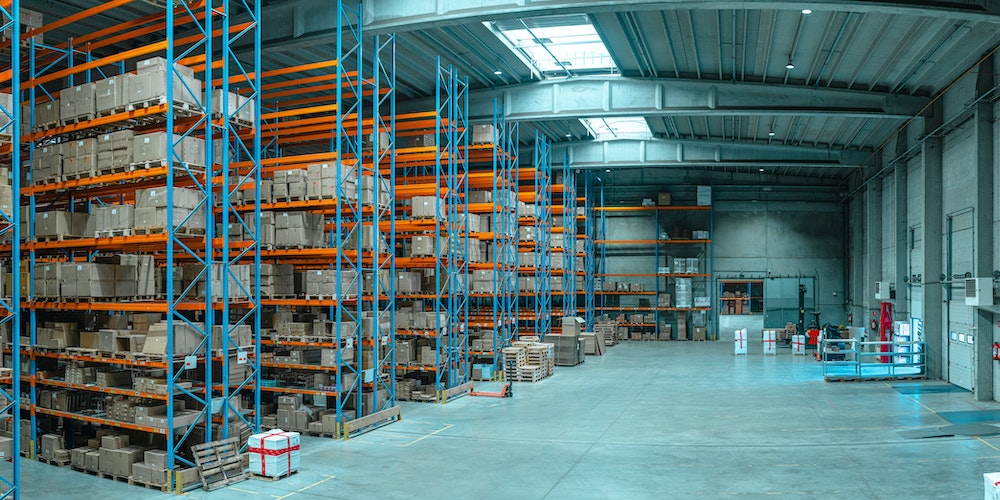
x=604 y=129
x=558 y=45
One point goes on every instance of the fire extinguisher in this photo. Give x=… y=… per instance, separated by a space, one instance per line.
x=850 y=318
x=874 y=325
x=996 y=351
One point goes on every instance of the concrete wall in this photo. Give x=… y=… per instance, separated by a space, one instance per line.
x=779 y=239
x=930 y=214
x=784 y=240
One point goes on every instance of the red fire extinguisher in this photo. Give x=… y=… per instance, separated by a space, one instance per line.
x=850 y=318
x=996 y=351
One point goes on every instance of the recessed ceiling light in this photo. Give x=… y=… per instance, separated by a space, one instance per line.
x=762 y=170
x=770 y=134
x=498 y=72
x=789 y=65
x=608 y=171
x=807 y=11
x=568 y=135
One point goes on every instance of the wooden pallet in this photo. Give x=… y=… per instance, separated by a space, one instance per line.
x=85 y=471
x=113 y=111
x=180 y=108
x=219 y=463
x=277 y=478
x=162 y=487
x=81 y=351
x=58 y=237
x=113 y=477
x=77 y=119
x=57 y=463
x=181 y=231
x=113 y=233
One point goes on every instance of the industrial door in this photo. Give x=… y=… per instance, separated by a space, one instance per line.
x=960 y=343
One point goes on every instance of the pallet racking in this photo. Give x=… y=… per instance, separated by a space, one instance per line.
x=439 y=169
x=207 y=317
x=10 y=255
x=536 y=320
x=661 y=247
x=589 y=221
x=496 y=309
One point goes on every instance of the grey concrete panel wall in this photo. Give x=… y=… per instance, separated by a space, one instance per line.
x=785 y=239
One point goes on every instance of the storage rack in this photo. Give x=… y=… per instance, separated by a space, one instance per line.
x=10 y=255
x=440 y=170
x=609 y=301
x=590 y=270
x=568 y=230
x=209 y=48
x=537 y=189
x=359 y=248
x=497 y=310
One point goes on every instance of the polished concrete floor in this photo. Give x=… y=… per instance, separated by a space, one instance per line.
x=648 y=420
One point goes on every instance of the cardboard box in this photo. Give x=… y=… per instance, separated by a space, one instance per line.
x=698 y=333
x=114 y=441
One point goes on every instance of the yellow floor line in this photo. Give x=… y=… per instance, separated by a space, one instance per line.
x=914 y=400
x=304 y=488
x=987 y=443
x=421 y=438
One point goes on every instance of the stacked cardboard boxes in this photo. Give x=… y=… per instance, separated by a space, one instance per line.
x=298 y=230
x=152 y=209
x=114 y=151
x=149 y=85
x=322 y=181
x=289 y=185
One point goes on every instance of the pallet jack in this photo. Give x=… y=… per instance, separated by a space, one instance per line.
x=507 y=391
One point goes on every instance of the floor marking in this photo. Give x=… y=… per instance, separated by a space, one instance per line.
x=914 y=400
x=986 y=443
x=304 y=488
x=243 y=491
x=421 y=438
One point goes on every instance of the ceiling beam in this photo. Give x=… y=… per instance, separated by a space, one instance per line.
x=406 y=15
x=667 y=153
x=585 y=97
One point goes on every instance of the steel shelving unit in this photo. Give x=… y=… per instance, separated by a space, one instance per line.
x=359 y=223
x=497 y=311
x=589 y=258
x=440 y=170
x=208 y=50
x=10 y=255
x=535 y=186
x=609 y=301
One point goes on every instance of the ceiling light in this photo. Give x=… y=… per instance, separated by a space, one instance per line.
x=569 y=135
x=607 y=171
x=789 y=65
x=807 y=11
x=762 y=170
x=498 y=72
x=770 y=134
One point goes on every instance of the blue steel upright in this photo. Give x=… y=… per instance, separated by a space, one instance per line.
x=543 y=230
x=10 y=301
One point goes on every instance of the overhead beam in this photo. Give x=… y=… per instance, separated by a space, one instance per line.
x=407 y=15
x=585 y=97
x=632 y=153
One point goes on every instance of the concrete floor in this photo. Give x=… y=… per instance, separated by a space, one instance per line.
x=648 y=420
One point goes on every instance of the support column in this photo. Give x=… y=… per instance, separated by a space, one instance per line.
x=873 y=241
x=983 y=264
x=935 y=331
x=902 y=271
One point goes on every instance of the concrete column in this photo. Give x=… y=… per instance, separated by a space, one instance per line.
x=935 y=331
x=983 y=244
x=902 y=271
x=873 y=241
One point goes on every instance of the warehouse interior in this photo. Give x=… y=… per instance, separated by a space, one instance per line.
x=680 y=249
